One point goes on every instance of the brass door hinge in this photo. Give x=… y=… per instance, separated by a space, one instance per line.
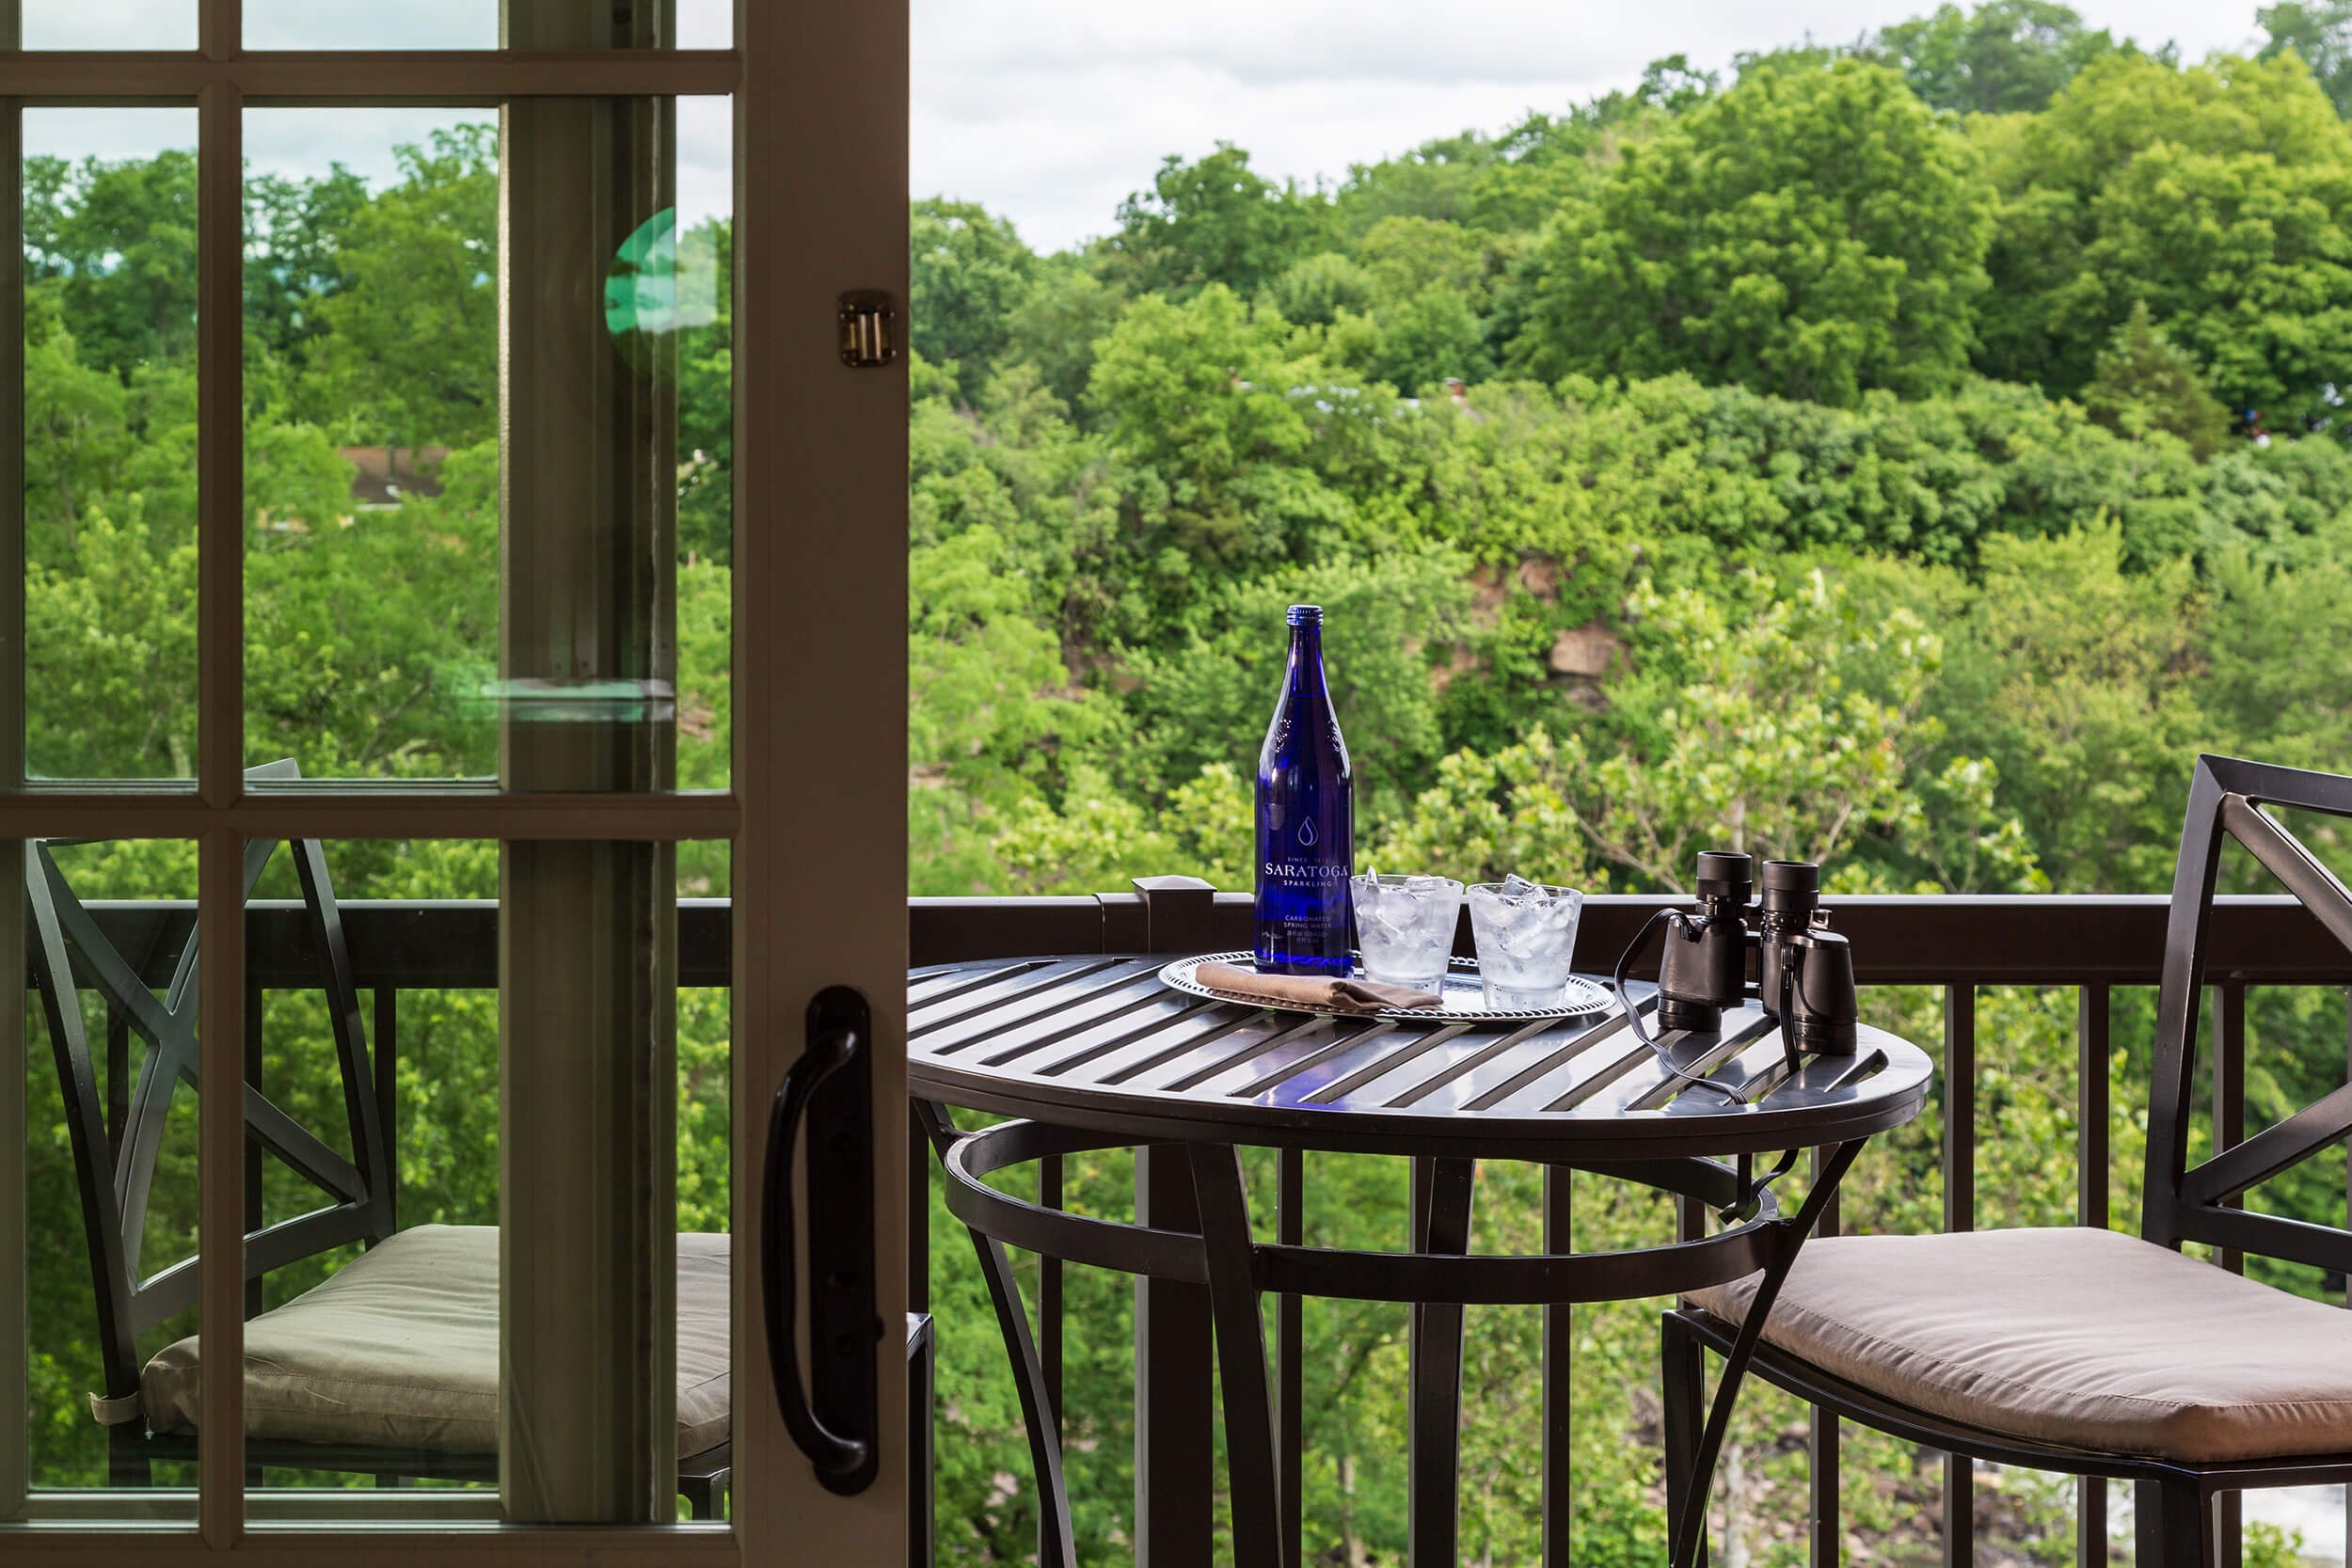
x=869 y=329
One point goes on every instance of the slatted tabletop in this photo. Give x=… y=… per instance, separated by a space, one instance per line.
x=1100 y=1041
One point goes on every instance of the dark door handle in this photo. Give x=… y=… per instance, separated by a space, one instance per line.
x=842 y=1329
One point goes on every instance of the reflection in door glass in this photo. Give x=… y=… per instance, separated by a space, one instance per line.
x=425 y=1069
x=387 y=488
x=109 y=412
x=470 y=24
x=371 y=409
x=109 y=23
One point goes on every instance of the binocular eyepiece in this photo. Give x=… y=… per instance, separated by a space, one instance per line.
x=1804 y=970
x=1791 y=887
x=1725 y=878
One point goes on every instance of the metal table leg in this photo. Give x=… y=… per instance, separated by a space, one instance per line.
x=1436 y=1503
x=1056 y=1544
x=1240 y=1360
x=1689 y=1527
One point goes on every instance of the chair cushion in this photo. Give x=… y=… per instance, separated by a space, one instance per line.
x=400 y=1349
x=2082 y=1338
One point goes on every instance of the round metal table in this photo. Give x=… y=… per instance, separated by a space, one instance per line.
x=1095 y=1051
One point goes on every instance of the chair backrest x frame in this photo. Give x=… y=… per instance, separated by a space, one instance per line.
x=2186 y=1203
x=71 y=952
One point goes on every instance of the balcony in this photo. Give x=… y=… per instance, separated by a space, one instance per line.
x=1977 y=973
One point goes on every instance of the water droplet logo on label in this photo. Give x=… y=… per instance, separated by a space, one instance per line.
x=1307 y=833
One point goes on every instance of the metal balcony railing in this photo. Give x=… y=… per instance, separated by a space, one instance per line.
x=2093 y=945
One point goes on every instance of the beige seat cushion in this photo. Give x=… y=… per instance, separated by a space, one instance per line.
x=401 y=1350
x=2083 y=1338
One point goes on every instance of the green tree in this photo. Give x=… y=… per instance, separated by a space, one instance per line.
x=970 y=272
x=1202 y=697
x=2072 y=675
x=705 y=409
x=1319 y=290
x=121 y=238
x=1057 y=324
x=1214 y=406
x=2320 y=31
x=2145 y=385
x=1809 y=233
x=294 y=229
x=1438 y=180
x=2214 y=195
x=2244 y=258
x=2005 y=57
x=1214 y=221
x=409 y=349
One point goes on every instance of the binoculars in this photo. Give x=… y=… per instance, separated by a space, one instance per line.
x=1805 y=970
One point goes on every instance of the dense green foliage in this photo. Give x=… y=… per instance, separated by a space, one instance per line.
x=1855 y=458
x=1811 y=233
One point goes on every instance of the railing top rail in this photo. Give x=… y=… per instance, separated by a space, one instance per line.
x=1979 y=939
x=2049 y=939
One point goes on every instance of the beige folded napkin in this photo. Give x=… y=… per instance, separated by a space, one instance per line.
x=1306 y=991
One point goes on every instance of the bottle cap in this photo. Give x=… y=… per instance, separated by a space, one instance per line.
x=1305 y=615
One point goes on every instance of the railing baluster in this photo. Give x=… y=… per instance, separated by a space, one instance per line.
x=2228 y=1094
x=1690 y=1225
x=1049 y=1297
x=1559 y=1347
x=1290 y=1342
x=1417 y=1188
x=2091 y=1124
x=1827 y=1516
x=1959 y=1213
x=253 y=1300
x=918 y=1214
x=2229 y=1129
x=387 y=1066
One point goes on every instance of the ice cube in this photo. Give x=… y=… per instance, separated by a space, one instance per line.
x=1423 y=886
x=1389 y=917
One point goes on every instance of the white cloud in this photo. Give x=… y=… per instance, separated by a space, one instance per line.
x=1051 y=111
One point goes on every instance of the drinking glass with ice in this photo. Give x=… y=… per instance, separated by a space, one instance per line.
x=1405 y=926
x=1526 y=934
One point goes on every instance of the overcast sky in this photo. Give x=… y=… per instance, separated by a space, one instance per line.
x=1051 y=111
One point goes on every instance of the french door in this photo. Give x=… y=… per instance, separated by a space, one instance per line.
x=452 y=556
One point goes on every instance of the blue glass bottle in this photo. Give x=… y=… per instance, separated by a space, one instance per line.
x=1305 y=818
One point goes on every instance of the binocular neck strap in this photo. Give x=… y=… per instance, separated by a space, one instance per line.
x=1633 y=1013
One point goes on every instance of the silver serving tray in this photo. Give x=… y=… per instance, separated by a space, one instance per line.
x=1462 y=997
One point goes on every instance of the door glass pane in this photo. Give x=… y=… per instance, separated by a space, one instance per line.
x=109 y=413
x=371 y=470
x=468 y=23
x=109 y=23
x=474 y=1122
x=107 y=1080
x=392 y=475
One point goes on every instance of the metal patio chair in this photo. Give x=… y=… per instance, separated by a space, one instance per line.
x=2089 y=1352
x=390 y=1366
